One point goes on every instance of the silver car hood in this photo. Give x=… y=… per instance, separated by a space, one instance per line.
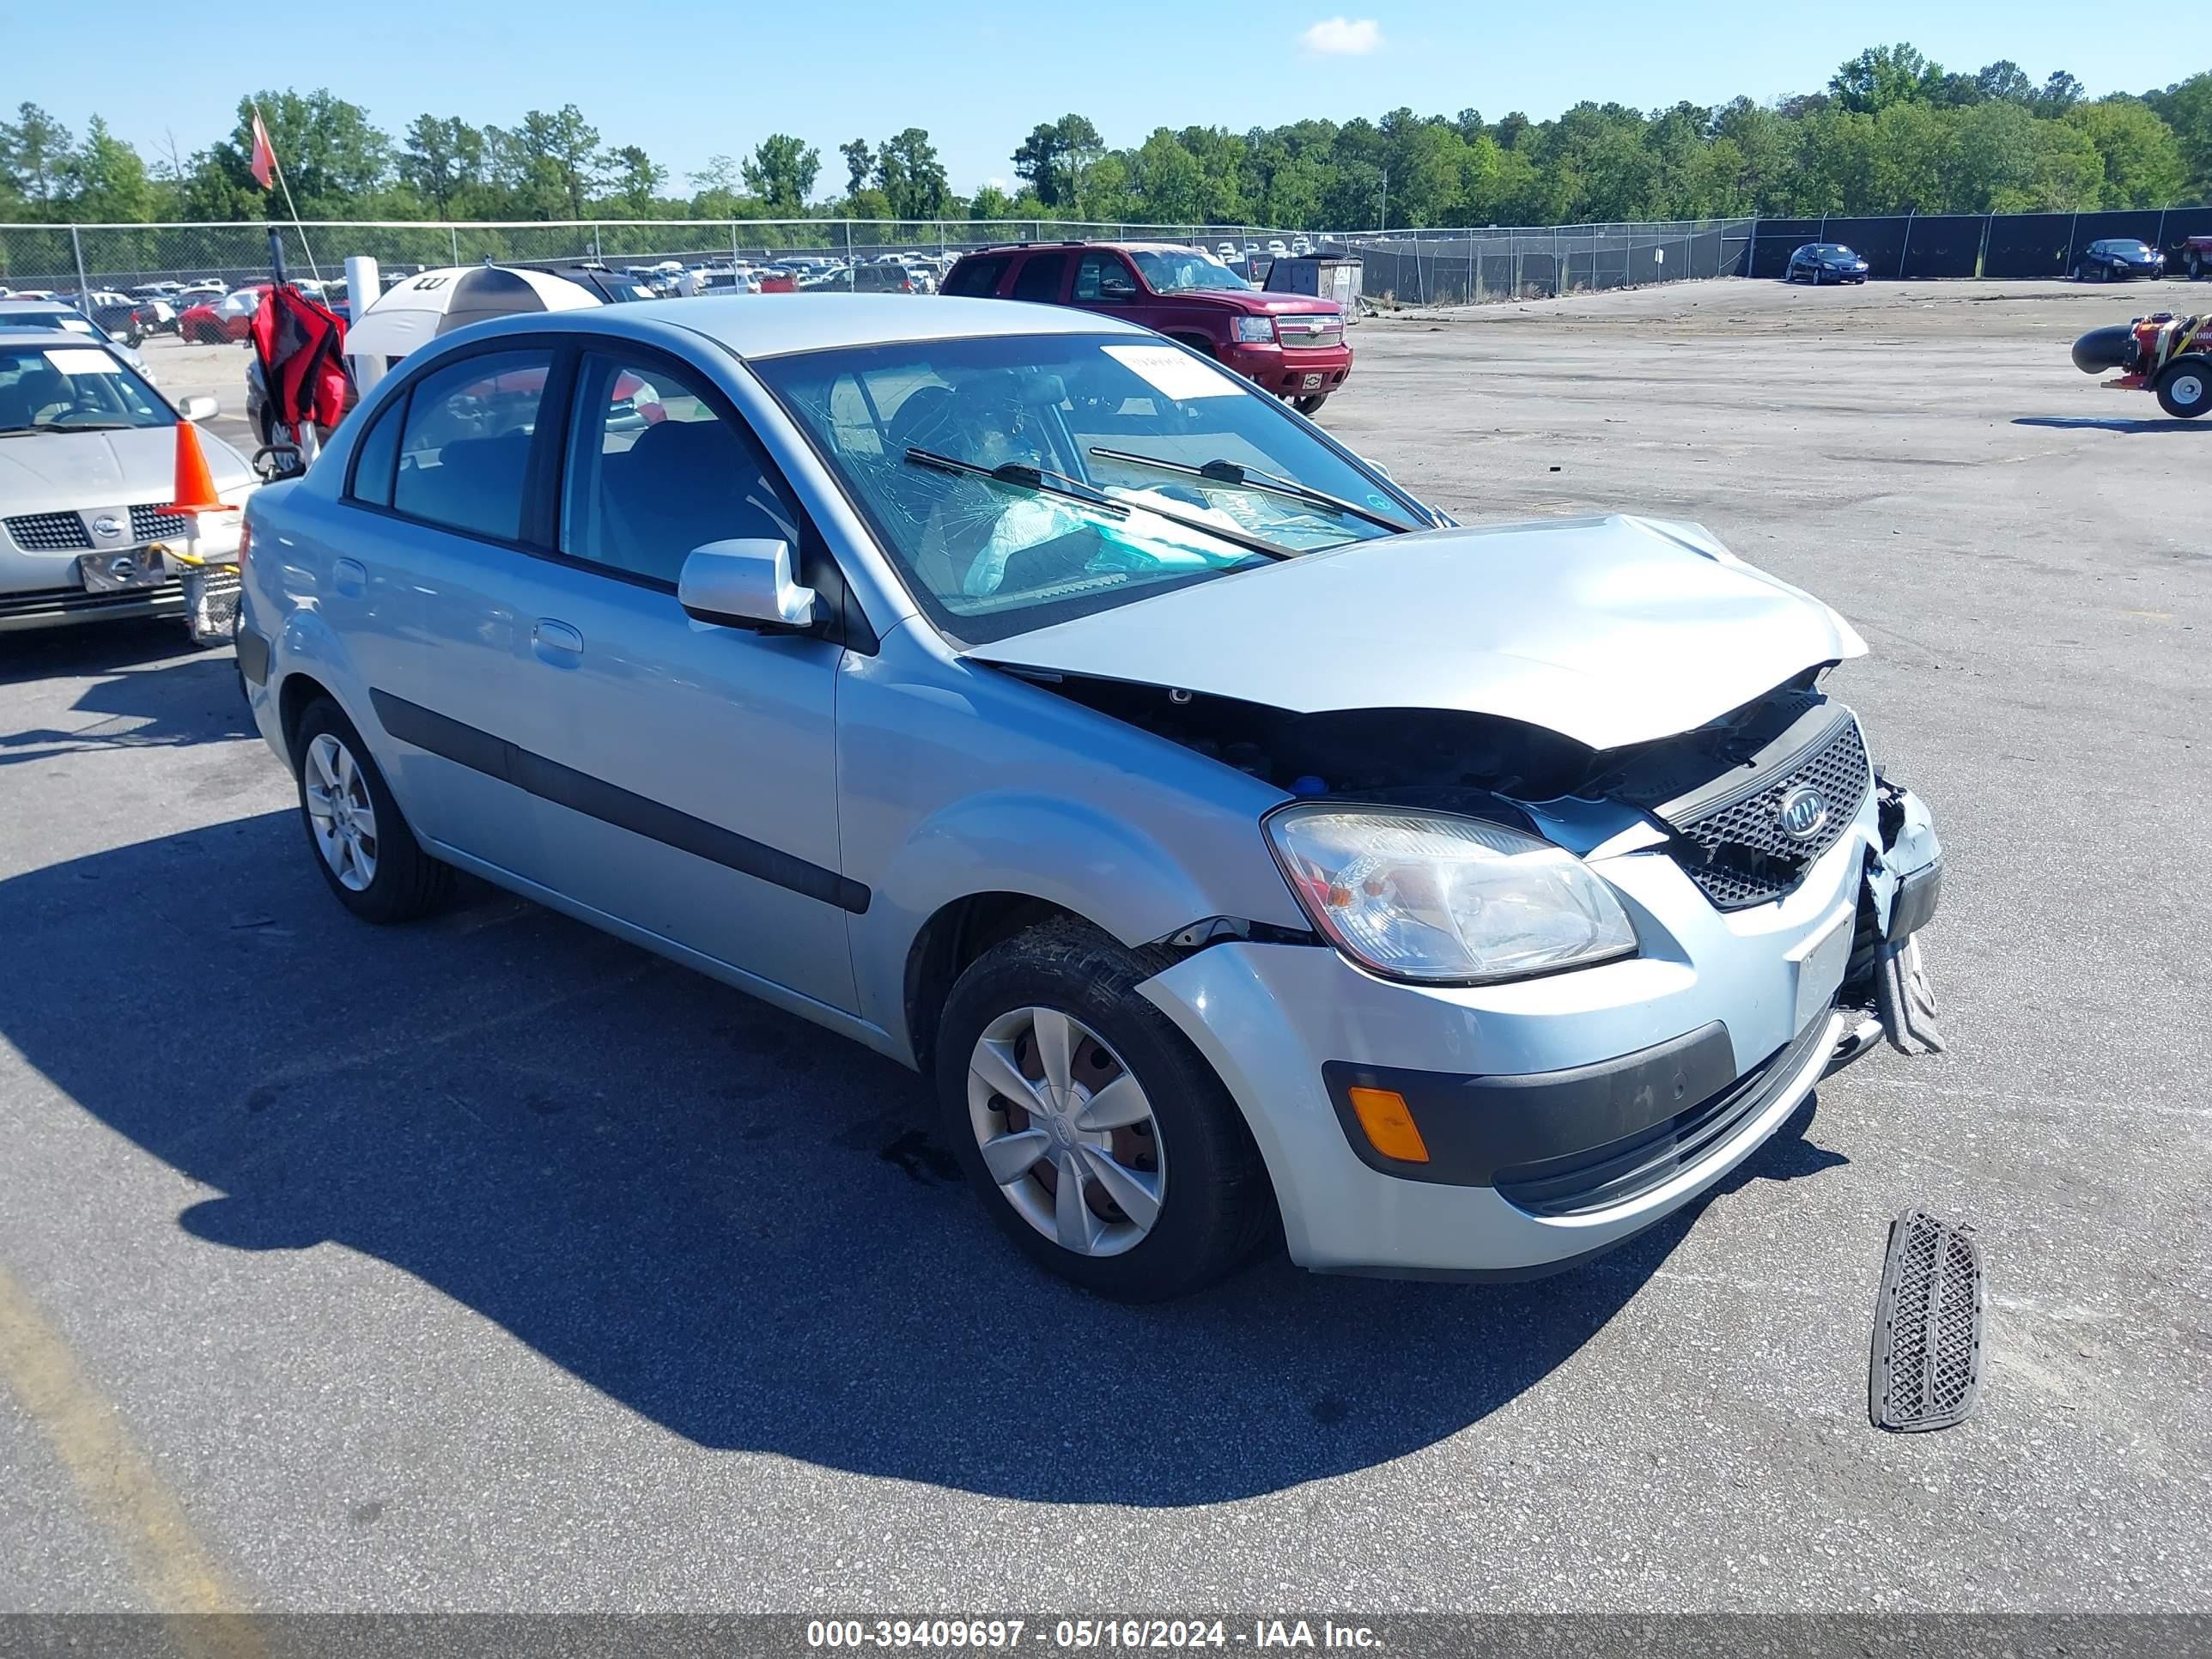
x=62 y=472
x=1609 y=631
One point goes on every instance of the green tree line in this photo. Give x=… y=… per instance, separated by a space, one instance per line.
x=1890 y=132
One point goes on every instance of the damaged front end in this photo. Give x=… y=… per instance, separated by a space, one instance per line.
x=1745 y=805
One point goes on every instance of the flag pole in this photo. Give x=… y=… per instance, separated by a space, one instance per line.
x=276 y=162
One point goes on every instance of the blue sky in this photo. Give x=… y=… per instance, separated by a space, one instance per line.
x=688 y=80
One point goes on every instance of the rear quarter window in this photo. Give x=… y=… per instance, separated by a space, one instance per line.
x=977 y=278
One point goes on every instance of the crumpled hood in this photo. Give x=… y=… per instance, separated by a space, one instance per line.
x=1610 y=631
x=46 y=472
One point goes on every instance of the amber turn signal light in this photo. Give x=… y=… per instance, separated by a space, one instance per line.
x=1382 y=1113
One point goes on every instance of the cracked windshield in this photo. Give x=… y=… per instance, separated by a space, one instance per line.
x=1024 y=482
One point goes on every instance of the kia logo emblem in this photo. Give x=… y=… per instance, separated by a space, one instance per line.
x=1802 y=813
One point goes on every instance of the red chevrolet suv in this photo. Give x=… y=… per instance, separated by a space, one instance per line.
x=1292 y=344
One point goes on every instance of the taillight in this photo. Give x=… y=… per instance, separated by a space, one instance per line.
x=245 y=539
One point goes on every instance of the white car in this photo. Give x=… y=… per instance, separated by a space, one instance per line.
x=1225 y=251
x=1300 y=248
x=20 y=311
x=1277 y=251
x=87 y=463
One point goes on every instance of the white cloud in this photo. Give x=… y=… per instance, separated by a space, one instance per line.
x=1343 y=36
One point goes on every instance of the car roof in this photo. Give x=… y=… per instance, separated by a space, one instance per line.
x=12 y=331
x=752 y=326
x=36 y=307
x=1062 y=247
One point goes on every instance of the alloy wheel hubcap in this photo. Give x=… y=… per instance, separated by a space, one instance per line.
x=2188 y=389
x=1066 y=1132
x=340 y=812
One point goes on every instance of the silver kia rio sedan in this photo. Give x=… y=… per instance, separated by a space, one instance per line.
x=1252 y=855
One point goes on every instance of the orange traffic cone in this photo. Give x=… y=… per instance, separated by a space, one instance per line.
x=195 y=485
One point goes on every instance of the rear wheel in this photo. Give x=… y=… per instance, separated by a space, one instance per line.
x=361 y=843
x=2196 y=265
x=2184 y=390
x=1098 y=1139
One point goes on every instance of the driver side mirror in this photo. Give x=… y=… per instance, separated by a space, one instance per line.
x=198 y=408
x=744 y=583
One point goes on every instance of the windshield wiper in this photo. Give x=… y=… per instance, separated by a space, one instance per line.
x=1047 y=483
x=65 y=426
x=1021 y=477
x=1251 y=477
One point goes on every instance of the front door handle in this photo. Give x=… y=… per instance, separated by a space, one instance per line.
x=349 y=577
x=556 y=643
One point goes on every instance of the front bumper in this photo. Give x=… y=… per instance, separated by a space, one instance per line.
x=1291 y=371
x=1563 y=1115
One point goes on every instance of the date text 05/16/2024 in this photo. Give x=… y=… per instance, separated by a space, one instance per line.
x=1001 y=1635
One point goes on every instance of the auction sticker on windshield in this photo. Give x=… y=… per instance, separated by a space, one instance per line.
x=1174 y=374
x=82 y=360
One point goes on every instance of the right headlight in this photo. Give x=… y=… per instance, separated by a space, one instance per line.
x=1442 y=899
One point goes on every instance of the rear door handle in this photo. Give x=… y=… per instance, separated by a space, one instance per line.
x=349 y=577
x=556 y=643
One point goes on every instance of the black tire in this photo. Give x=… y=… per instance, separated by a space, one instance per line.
x=2183 y=376
x=2196 y=267
x=408 y=883
x=1218 y=1210
x=1310 y=405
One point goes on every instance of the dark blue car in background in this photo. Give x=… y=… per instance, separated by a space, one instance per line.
x=1825 y=262
x=2116 y=258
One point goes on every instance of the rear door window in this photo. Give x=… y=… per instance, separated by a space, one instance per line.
x=464 y=451
x=1040 y=277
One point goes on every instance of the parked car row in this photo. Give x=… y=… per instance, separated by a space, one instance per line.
x=2108 y=259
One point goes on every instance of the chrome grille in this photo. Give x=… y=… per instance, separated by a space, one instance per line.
x=1747 y=859
x=149 y=523
x=1313 y=330
x=49 y=532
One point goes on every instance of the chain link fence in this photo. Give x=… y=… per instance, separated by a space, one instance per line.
x=1475 y=266
x=1429 y=266
x=71 y=258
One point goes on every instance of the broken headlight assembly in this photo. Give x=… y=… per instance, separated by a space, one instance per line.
x=1444 y=900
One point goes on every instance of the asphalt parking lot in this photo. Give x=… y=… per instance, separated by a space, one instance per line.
x=493 y=1264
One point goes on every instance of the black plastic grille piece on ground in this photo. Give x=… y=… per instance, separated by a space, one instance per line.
x=1750 y=859
x=1926 y=1368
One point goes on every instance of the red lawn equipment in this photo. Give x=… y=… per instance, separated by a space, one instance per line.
x=2166 y=355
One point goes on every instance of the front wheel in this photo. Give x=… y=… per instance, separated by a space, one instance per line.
x=2184 y=390
x=361 y=843
x=1310 y=405
x=1098 y=1139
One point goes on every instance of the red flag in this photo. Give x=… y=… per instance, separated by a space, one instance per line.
x=264 y=154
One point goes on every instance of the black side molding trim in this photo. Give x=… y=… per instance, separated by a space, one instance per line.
x=253 y=656
x=595 y=798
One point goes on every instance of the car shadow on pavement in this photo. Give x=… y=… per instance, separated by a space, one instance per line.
x=141 y=694
x=2110 y=424
x=734 y=1225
